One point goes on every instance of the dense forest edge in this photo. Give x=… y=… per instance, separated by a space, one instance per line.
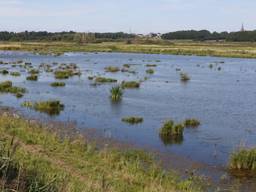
x=71 y=36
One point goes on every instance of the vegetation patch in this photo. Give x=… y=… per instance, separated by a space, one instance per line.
x=105 y=80
x=7 y=87
x=184 y=77
x=150 y=71
x=112 y=69
x=51 y=107
x=32 y=77
x=132 y=120
x=151 y=65
x=58 y=84
x=172 y=130
x=244 y=160
x=191 y=123
x=130 y=84
x=116 y=93
x=15 y=74
x=4 y=72
x=63 y=74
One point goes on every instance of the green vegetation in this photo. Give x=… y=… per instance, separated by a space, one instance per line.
x=244 y=159
x=132 y=120
x=170 y=129
x=15 y=74
x=112 y=69
x=58 y=84
x=105 y=80
x=184 y=77
x=220 y=49
x=130 y=84
x=51 y=107
x=36 y=157
x=63 y=74
x=150 y=71
x=151 y=65
x=116 y=93
x=4 y=72
x=191 y=123
x=7 y=87
x=32 y=77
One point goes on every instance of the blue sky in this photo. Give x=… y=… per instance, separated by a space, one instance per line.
x=138 y=16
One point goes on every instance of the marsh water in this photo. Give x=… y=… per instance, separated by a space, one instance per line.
x=222 y=97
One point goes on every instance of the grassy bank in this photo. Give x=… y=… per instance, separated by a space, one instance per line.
x=220 y=49
x=40 y=157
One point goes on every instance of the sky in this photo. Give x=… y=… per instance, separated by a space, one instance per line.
x=136 y=16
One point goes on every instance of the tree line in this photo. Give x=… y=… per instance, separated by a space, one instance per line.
x=203 y=35
x=72 y=36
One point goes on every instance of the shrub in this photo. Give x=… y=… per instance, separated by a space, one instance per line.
x=58 y=84
x=132 y=120
x=116 y=93
x=130 y=84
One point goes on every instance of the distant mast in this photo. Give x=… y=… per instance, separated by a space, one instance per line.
x=242 y=28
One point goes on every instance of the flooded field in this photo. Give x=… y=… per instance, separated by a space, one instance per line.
x=220 y=94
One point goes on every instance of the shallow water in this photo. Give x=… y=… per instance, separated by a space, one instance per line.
x=224 y=101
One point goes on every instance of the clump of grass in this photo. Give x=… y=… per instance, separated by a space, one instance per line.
x=7 y=87
x=126 y=65
x=112 y=69
x=244 y=159
x=150 y=71
x=34 y=72
x=4 y=72
x=116 y=93
x=63 y=74
x=130 y=84
x=184 y=77
x=151 y=65
x=105 y=80
x=32 y=78
x=191 y=123
x=51 y=107
x=58 y=84
x=170 y=129
x=132 y=120
x=15 y=74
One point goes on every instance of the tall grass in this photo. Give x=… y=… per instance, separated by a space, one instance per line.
x=116 y=93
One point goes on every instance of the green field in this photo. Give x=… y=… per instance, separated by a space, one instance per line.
x=220 y=49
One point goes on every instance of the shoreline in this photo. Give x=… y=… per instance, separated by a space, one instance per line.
x=225 y=50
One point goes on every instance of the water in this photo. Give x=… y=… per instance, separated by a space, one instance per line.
x=224 y=101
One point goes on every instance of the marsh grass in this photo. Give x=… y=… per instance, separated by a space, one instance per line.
x=4 y=72
x=243 y=159
x=184 y=77
x=170 y=129
x=51 y=107
x=60 y=74
x=15 y=74
x=116 y=93
x=105 y=80
x=132 y=120
x=130 y=84
x=112 y=69
x=32 y=77
x=150 y=71
x=58 y=84
x=191 y=123
x=7 y=87
x=42 y=160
